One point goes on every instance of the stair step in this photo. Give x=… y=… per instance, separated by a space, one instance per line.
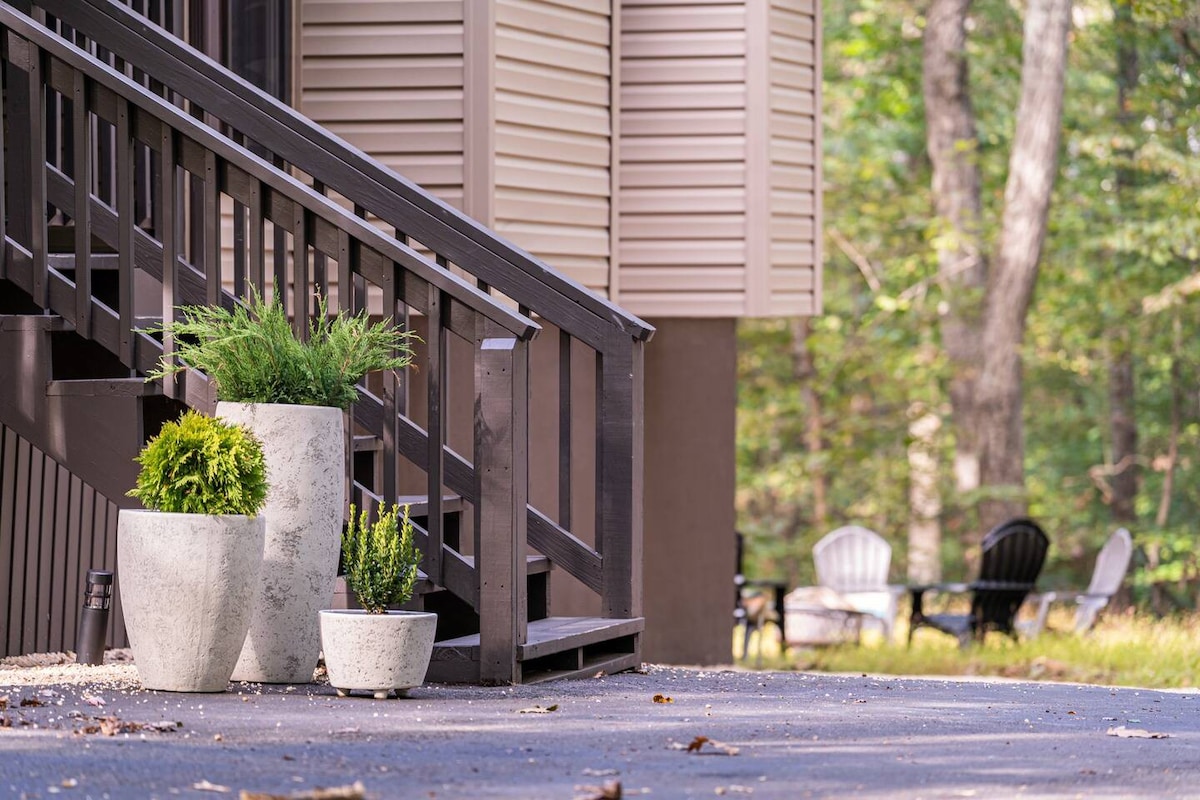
x=34 y=322
x=103 y=387
x=555 y=647
x=101 y=262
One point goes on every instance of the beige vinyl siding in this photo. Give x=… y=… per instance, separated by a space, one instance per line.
x=387 y=76
x=682 y=181
x=553 y=131
x=793 y=282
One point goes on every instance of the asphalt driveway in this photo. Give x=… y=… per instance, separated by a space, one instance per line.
x=766 y=735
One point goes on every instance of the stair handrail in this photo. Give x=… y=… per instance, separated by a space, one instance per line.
x=292 y=136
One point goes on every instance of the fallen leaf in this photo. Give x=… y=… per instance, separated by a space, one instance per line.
x=1135 y=733
x=355 y=791
x=662 y=698
x=611 y=790
x=599 y=773
x=31 y=702
x=93 y=700
x=205 y=786
x=539 y=709
x=3 y=701
x=715 y=747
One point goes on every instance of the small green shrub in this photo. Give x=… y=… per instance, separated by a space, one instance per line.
x=381 y=558
x=253 y=356
x=202 y=465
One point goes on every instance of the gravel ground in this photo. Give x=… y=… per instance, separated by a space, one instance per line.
x=661 y=733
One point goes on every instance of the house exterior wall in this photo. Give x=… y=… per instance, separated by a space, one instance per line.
x=716 y=185
x=388 y=78
x=553 y=123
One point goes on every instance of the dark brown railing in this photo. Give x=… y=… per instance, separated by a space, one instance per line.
x=46 y=69
x=204 y=123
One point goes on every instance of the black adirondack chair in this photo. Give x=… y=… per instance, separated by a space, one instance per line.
x=1012 y=558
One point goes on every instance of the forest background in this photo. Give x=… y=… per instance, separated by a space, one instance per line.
x=847 y=417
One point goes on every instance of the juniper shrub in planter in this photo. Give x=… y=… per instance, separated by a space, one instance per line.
x=376 y=649
x=292 y=393
x=188 y=565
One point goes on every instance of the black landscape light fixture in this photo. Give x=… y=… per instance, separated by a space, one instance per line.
x=93 y=617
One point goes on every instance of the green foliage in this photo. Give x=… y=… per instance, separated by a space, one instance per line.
x=202 y=465
x=1124 y=227
x=1124 y=649
x=254 y=356
x=381 y=558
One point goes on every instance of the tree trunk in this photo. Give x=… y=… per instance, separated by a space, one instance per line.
x=952 y=144
x=1033 y=164
x=924 y=498
x=1122 y=420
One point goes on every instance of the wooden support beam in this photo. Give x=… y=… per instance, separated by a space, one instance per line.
x=619 y=468
x=501 y=445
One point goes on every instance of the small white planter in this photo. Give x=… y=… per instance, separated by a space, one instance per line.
x=304 y=450
x=377 y=653
x=185 y=582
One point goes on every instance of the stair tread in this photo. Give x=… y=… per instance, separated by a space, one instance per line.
x=102 y=387
x=34 y=322
x=556 y=634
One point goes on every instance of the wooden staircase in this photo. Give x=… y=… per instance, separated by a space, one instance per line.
x=89 y=262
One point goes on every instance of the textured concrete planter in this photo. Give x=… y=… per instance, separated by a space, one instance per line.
x=377 y=653
x=306 y=468
x=186 y=581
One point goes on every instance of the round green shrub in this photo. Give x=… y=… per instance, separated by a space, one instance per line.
x=202 y=465
x=380 y=558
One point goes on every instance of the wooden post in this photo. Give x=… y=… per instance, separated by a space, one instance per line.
x=501 y=444
x=619 y=466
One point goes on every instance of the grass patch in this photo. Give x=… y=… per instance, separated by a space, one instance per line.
x=1127 y=649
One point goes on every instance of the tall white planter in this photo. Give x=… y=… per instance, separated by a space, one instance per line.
x=304 y=451
x=186 y=581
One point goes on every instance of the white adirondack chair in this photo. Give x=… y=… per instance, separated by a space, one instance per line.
x=854 y=562
x=1111 y=566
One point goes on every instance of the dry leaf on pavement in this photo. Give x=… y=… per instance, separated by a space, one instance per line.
x=205 y=786
x=662 y=698
x=1135 y=733
x=611 y=790
x=539 y=709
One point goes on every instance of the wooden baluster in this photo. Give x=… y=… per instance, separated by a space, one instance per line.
x=83 y=206
x=387 y=487
x=501 y=464
x=126 y=220
x=37 y=183
x=257 y=255
x=212 y=230
x=168 y=220
x=435 y=341
x=320 y=269
x=564 y=429
x=300 y=293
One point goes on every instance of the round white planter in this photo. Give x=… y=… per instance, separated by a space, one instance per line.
x=377 y=653
x=305 y=455
x=185 y=582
